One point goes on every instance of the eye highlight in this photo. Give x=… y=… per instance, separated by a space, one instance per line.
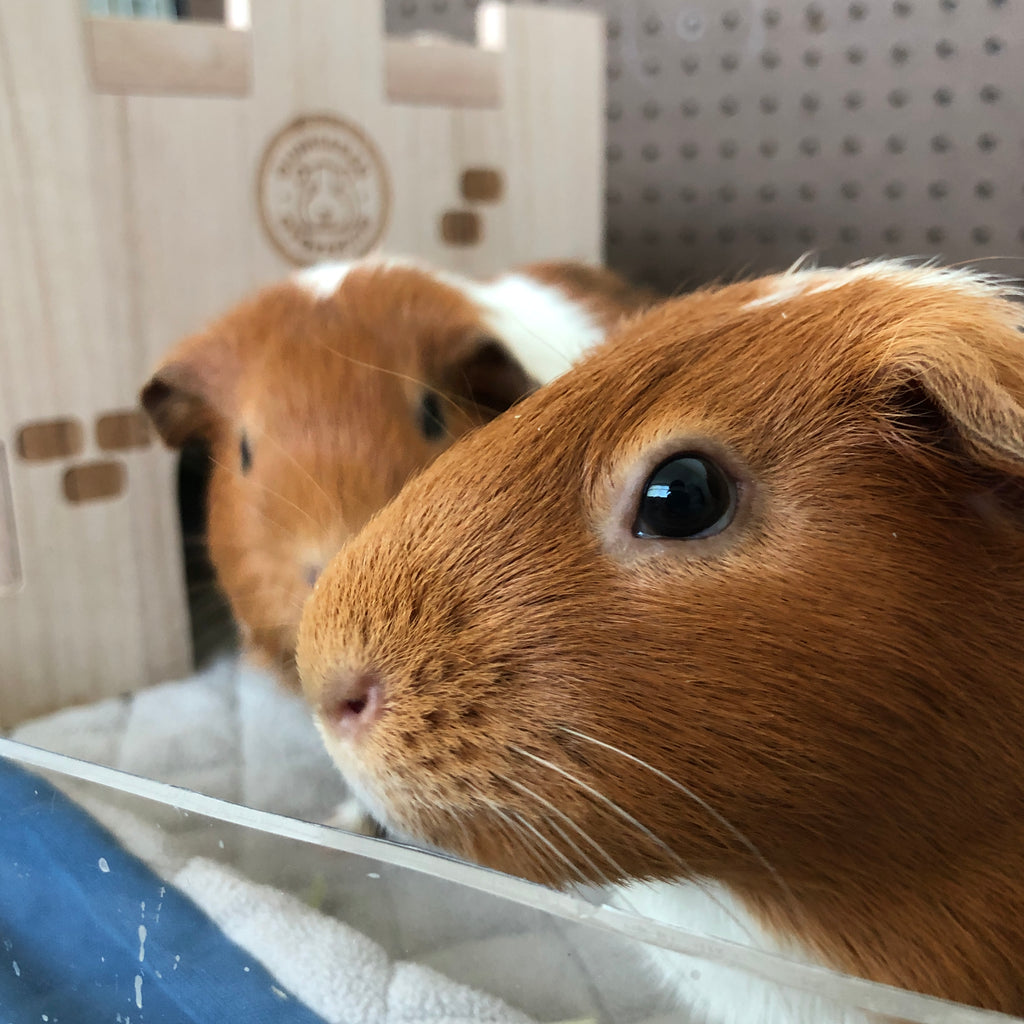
x=432 y=423
x=245 y=454
x=686 y=497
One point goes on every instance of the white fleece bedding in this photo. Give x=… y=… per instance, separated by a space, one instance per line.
x=357 y=946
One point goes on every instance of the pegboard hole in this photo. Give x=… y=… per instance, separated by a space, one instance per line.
x=729 y=106
x=768 y=148
x=987 y=142
x=728 y=149
x=990 y=94
x=727 y=193
x=727 y=234
x=896 y=144
x=984 y=190
x=731 y=21
x=981 y=235
x=902 y=8
x=848 y=234
x=945 y=48
x=769 y=104
x=815 y=19
x=941 y=143
x=899 y=54
x=10 y=555
x=894 y=190
x=767 y=193
x=993 y=45
x=812 y=58
x=807 y=192
x=849 y=190
x=691 y=65
x=729 y=62
x=857 y=11
x=893 y=235
x=853 y=100
x=807 y=234
x=935 y=235
x=690 y=108
x=689 y=151
x=809 y=146
x=898 y=98
x=938 y=189
x=688 y=194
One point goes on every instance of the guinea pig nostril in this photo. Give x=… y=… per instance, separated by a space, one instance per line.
x=313 y=574
x=353 y=704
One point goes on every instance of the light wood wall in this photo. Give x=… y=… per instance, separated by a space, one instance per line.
x=129 y=156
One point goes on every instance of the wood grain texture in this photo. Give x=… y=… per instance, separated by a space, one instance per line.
x=131 y=219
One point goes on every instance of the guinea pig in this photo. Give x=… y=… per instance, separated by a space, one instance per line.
x=321 y=395
x=729 y=615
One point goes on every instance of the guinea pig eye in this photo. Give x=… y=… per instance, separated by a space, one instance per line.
x=245 y=454
x=686 y=497
x=431 y=417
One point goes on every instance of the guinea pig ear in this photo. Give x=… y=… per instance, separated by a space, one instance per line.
x=958 y=396
x=190 y=390
x=488 y=375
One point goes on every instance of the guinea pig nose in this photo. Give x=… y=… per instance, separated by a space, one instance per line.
x=352 y=702
x=313 y=574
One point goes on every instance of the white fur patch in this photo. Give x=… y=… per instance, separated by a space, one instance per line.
x=546 y=331
x=322 y=280
x=813 y=281
x=542 y=327
x=713 y=994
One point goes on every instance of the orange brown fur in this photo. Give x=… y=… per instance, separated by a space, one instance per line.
x=839 y=674
x=326 y=391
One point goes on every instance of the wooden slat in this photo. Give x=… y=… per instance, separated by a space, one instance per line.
x=130 y=56
x=442 y=73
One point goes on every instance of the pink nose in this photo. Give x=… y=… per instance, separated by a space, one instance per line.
x=352 y=702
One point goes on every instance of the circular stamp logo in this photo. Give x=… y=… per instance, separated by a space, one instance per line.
x=322 y=190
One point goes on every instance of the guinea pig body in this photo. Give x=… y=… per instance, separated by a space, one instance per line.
x=733 y=609
x=320 y=396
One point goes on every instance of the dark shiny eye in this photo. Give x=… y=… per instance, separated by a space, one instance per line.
x=687 y=496
x=245 y=454
x=431 y=417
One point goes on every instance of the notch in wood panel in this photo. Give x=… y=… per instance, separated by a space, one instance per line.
x=482 y=185
x=168 y=58
x=431 y=71
x=10 y=555
x=460 y=227
x=121 y=431
x=94 y=481
x=50 y=439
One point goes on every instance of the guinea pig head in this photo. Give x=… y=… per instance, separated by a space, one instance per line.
x=736 y=598
x=318 y=399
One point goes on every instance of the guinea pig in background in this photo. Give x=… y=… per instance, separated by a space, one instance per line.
x=320 y=396
x=732 y=608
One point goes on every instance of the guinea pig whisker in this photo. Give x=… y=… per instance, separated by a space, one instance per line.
x=518 y=824
x=273 y=494
x=699 y=801
x=450 y=399
x=611 y=805
x=599 y=873
x=298 y=465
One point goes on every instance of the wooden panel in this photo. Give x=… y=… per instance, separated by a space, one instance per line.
x=94 y=481
x=444 y=73
x=130 y=218
x=120 y=431
x=50 y=439
x=168 y=58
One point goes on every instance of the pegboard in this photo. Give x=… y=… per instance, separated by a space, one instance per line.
x=743 y=134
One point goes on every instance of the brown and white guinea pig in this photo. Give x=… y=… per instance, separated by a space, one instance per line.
x=733 y=607
x=320 y=396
